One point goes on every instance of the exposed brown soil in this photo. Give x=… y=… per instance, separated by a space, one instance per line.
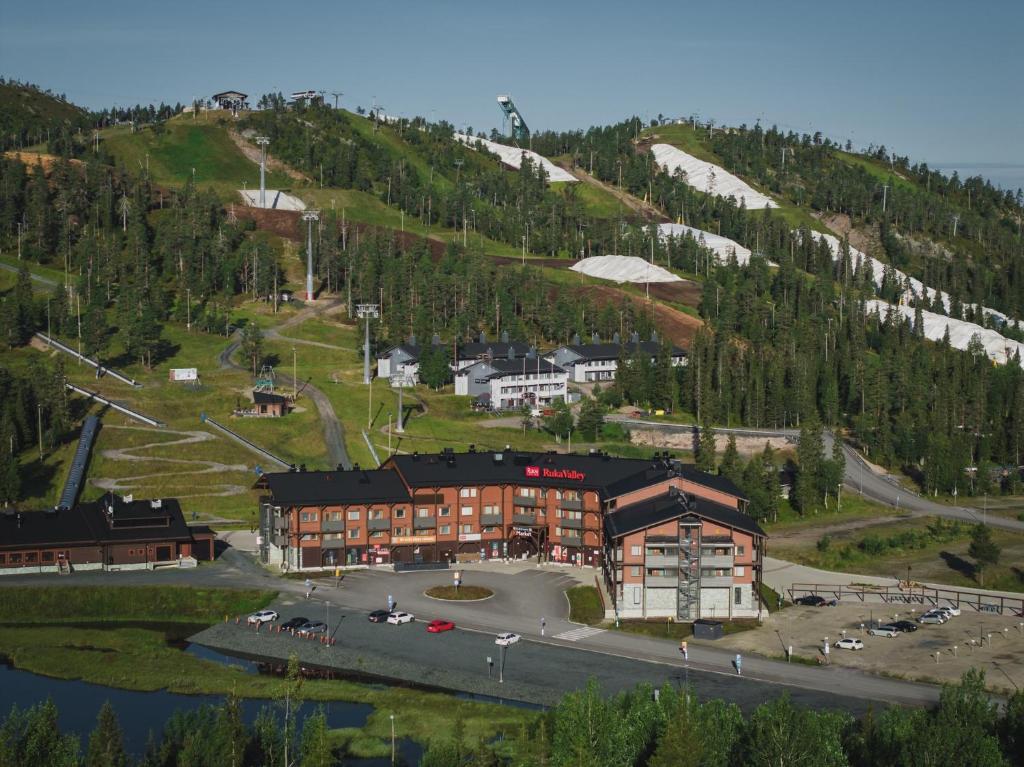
x=863 y=240
x=686 y=292
x=283 y=223
x=29 y=159
x=253 y=153
x=677 y=326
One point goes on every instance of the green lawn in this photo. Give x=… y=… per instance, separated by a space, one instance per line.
x=684 y=137
x=202 y=144
x=585 y=605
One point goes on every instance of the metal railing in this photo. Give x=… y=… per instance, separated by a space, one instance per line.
x=120 y=408
x=915 y=594
x=100 y=368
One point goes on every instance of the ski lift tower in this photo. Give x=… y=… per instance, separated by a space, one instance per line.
x=263 y=141
x=519 y=132
x=367 y=311
x=310 y=216
x=400 y=382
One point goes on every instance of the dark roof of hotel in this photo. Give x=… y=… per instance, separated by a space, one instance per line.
x=469 y=351
x=266 y=398
x=669 y=506
x=612 y=351
x=89 y=524
x=506 y=367
x=296 y=488
x=714 y=481
x=611 y=476
x=413 y=350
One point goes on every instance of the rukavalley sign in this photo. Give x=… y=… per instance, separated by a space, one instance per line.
x=538 y=472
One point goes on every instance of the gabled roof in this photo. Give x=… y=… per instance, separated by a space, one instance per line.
x=477 y=349
x=714 y=481
x=302 y=488
x=506 y=367
x=668 y=506
x=413 y=350
x=225 y=94
x=611 y=351
x=266 y=398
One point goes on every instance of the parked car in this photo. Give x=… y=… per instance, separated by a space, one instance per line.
x=294 y=623
x=313 y=627
x=850 y=643
x=397 y=618
x=263 y=616
x=437 y=626
x=506 y=639
x=989 y=607
x=811 y=600
x=950 y=612
x=885 y=630
x=378 y=616
x=933 y=618
x=907 y=627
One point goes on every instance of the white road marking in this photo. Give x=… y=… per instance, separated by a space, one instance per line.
x=576 y=635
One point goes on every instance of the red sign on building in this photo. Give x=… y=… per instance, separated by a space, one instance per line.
x=536 y=472
x=533 y=471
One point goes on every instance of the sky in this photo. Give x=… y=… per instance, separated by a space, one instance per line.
x=937 y=81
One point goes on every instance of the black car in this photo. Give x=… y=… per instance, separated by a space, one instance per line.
x=294 y=623
x=907 y=627
x=379 y=616
x=811 y=600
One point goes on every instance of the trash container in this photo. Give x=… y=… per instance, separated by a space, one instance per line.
x=706 y=629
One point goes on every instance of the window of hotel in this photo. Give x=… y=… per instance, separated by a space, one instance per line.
x=309 y=536
x=490 y=529
x=444 y=511
x=467 y=511
x=737 y=596
x=527 y=492
x=333 y=536
x=738 y=570
x=741 y=551
x=3 y=559
x=574 y=515
x=47 y=556
x=618 y=554
x=634 y=571
x=353 y=516
x=377 y=534
x=15 y=559
x=656 y=572
x=376 y=514
x=558 y=495
x=466 y=528
x=634 y=551
x=558 y=531
x=30 y=558
x=492 y=509
x=467 y=492
x=308 y=516
x=399 y=513
x=421 y=513
x=445 y=530
x=353 y=532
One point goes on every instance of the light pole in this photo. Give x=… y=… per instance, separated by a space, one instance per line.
x=501 y=666
x=39 y=428
x=392 y=738
x=188 y=309
x=295 y=379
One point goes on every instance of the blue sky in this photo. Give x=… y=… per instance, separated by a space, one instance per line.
x=937 y=80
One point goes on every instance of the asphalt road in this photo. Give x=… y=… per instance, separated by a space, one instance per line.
x=858 y=476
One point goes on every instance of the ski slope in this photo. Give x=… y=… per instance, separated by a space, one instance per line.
x=513 y=157
x=916 y=287
x=998 y=348
x=623 y=269
x=722 y=247
x=709 y=178
x=276 y=200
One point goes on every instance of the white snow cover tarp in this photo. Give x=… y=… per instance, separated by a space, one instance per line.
x=513 y=156
x=623 y=269
x=709 y=178
x=917 y=287
x=722 y=247
x=276 y=200
x=998 y=348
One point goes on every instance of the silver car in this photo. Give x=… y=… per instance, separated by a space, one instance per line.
x=936 y=618
x=885 y=630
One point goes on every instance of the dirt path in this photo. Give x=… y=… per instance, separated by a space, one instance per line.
x=809 y=535
x=679 y=327
x=643 y=209
x=122 y=484
x=253 y=154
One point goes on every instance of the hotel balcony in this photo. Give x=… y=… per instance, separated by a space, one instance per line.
x=571 y=540
x=715 y=581
x=524 y=519
x=378 y=524
x=332 y=543
x=575 y=524
x=491 y=520
x=661 y=581
x=661 y=560
x=424 y=523
x=525 y=500
x=333 y=526
x=569 y=505
x=717 y=561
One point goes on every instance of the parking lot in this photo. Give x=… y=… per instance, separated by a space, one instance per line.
x=992 y=643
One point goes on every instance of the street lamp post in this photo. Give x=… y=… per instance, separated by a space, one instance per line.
x=392 y=738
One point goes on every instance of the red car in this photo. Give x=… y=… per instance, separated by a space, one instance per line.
x=437 y=626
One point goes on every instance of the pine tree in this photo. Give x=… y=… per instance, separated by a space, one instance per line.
x=731 y=466
x=590 y=420
x=315 y=749
x=983 y=550
x=106 y=743
x=705 y=449
x=252 y=345
x=810 y=453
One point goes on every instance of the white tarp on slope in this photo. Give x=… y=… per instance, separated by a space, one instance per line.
x=276 y=200
x=513 y=157
x=916 y=286
x=623 y=269
x=709 y=178
x=998 y=348
x=722 y=247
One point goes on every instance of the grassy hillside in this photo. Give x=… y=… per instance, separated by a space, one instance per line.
x=184 y=144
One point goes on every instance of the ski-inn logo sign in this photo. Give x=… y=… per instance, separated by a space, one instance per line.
x=538 y=472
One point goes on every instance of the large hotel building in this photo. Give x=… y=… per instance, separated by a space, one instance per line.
x=670 y=541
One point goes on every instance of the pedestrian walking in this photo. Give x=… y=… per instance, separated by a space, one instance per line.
x=543 y=624
x=684 y=649
x=309 y=587
x=739 y=665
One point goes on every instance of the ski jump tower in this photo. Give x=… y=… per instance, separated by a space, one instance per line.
x=519 y=132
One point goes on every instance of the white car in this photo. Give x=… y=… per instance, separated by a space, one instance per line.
x=506 y=639
x=884 y=630
x=400 y=617
x=850 y=643
x=263 y=616
x=934 y=618
x=950 y=612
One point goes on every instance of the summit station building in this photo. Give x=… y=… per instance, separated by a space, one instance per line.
x=670 y=541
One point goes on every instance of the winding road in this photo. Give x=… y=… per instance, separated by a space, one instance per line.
x=858 y=475
x=334 y=434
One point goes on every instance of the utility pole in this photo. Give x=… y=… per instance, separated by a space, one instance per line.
x=310 y=216
x=367 y=311
x=39 y=428
x=263 y=141
x=336 y=95
x=956 y=220
x=885 y=194
x=295 y=378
